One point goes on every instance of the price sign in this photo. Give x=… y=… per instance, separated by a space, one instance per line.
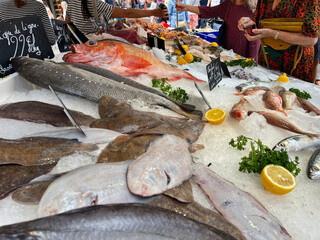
x=154 y=41
x=63 y=39
x=22 y=37
x=214 y=72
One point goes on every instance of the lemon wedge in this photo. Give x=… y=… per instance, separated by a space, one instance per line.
x=214 y=44
x=181 y=61
x=215 y=115
x=177 y=52
x=283 y=78
x=188 y=57
x=277 y=179
x=185 y=47
x=238 y=56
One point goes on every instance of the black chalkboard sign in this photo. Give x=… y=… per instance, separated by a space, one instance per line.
x=154 y=41
x=63 y=39
x=214 y=72
x=22 y=37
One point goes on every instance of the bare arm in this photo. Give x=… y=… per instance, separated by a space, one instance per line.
x=184 y=7
x=135 y=13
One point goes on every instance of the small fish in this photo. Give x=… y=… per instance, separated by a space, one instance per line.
x=252 y=90
x=124 y=59
x=238 y=110
x=288 y=99
x=297 y=143
x=273 y=101
x=313 y=169
x=308 y=106
x=278 y=90
x=280 y=122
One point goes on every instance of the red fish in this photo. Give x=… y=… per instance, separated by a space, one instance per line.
x=124 y=59
x=238 y=110
x=252 y=90
x=273 y=101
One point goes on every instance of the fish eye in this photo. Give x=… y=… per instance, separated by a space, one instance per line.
x=92 y=43
x=314 y=169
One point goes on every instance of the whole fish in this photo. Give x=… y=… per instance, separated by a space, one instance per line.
x=120 y=117
x=41 y=112
x=102 y=183
x=288 y=99
x=278 y=90
x=166 y=164
x=81 y=83
x=124 y=59
x=297 y=143
x=197 y=212
x=114 y=222
x=39 y=150
x=14 y=176
x=280 y=122
x=252 y=90
x=93 y=135
x=313 y=169
x=308 y=106
x=239 y=110
x=238 y=207
x=273 y=101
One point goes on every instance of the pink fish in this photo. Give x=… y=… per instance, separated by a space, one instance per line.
x=273 y=101
x=252 y=91
x=124 y=59
x=238 y=110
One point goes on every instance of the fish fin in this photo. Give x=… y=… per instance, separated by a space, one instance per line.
x=281 y=110
x=134 y=62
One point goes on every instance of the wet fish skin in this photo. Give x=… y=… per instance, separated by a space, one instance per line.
x=182 y=193
x=280 y=122
x=238 y=110
x=252 y=90
x=288 y=99
x=273 y=101
x=278 y=90
x=308 y=106
x=39 y=150
x=239 y=207
x=102 y=183
x=114 y=222
x=166 y=164
x=124 y=59
x=313 y=169
x=297 y=143
x=41 y=112
x=81 y=83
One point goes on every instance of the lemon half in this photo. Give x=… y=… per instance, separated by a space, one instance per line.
x=215 y=115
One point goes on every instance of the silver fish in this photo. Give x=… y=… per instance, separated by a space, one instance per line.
x=103 y=183
x=297 y=143
x=114 y=222
x=239 y=207
x=81 y=83
x=313 y=169
x=288 y=99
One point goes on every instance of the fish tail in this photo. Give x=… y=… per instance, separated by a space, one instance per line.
x=282 y=110
x=193 y=114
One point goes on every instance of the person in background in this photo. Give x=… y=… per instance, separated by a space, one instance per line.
x=153 y=5
x=202 y=21
x=11 y=9
x=283 y=61
x=143 y=4
x=234 y=38
x=316 y=62
x=63 y=7
x=183 y=16
x=80 y=12
x=193 y=17
x=50 y=14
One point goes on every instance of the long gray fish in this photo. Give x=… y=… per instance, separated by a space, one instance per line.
x=238 y=207
x=313 y=169
x=114 y=222
x=81 y=83
x=308 y=106
x=297 y=143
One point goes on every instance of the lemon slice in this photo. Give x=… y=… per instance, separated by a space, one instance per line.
x=277 y=179
x=283 y=78
x=181 y=61
x=214 y=44
x=215 y=115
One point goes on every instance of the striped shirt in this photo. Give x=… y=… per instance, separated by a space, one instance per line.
x=9 y=11
x=85 y=25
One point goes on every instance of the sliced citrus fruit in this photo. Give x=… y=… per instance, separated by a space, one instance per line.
x=177 y=52
x=215 y=115
x=277 y=179
x=214 y=44
x=283 y=78
x=188 y=57
x=181 y=61
x=185 y=47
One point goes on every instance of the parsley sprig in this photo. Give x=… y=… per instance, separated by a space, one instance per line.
x=304 y=94
x=242 y=62
x=261 y=155
x=177 y=94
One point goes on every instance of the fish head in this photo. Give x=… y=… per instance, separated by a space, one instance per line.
x=313 y=171
x=283 y=145
x=96 y=53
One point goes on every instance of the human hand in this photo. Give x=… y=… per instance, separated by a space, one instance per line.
x=181 y=7
x=245 y=23
x=162 y=13
x=260 y=33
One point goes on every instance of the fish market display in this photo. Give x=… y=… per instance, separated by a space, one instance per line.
x=313 y=169
x=120 y=117
x=14 y=176
x=197 y=212
x=124 y=59
x=102 y=183
x=239 y=110
x=81 y=83
x=297 y=143
x=239 y=207
x=252 y=90
x=273 y=101
x=39 y=150
x=280 y=122
x=288 y=99
x=41 y=112
x=93 y=135
x=278 y=90
x=166 y=164
x=121 y=221
x=308 y=106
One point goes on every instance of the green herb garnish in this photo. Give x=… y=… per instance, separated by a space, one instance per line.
x=300 y=94
x=261 y=155
x=196 y=59
x=242 y=62
x=177 y=94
